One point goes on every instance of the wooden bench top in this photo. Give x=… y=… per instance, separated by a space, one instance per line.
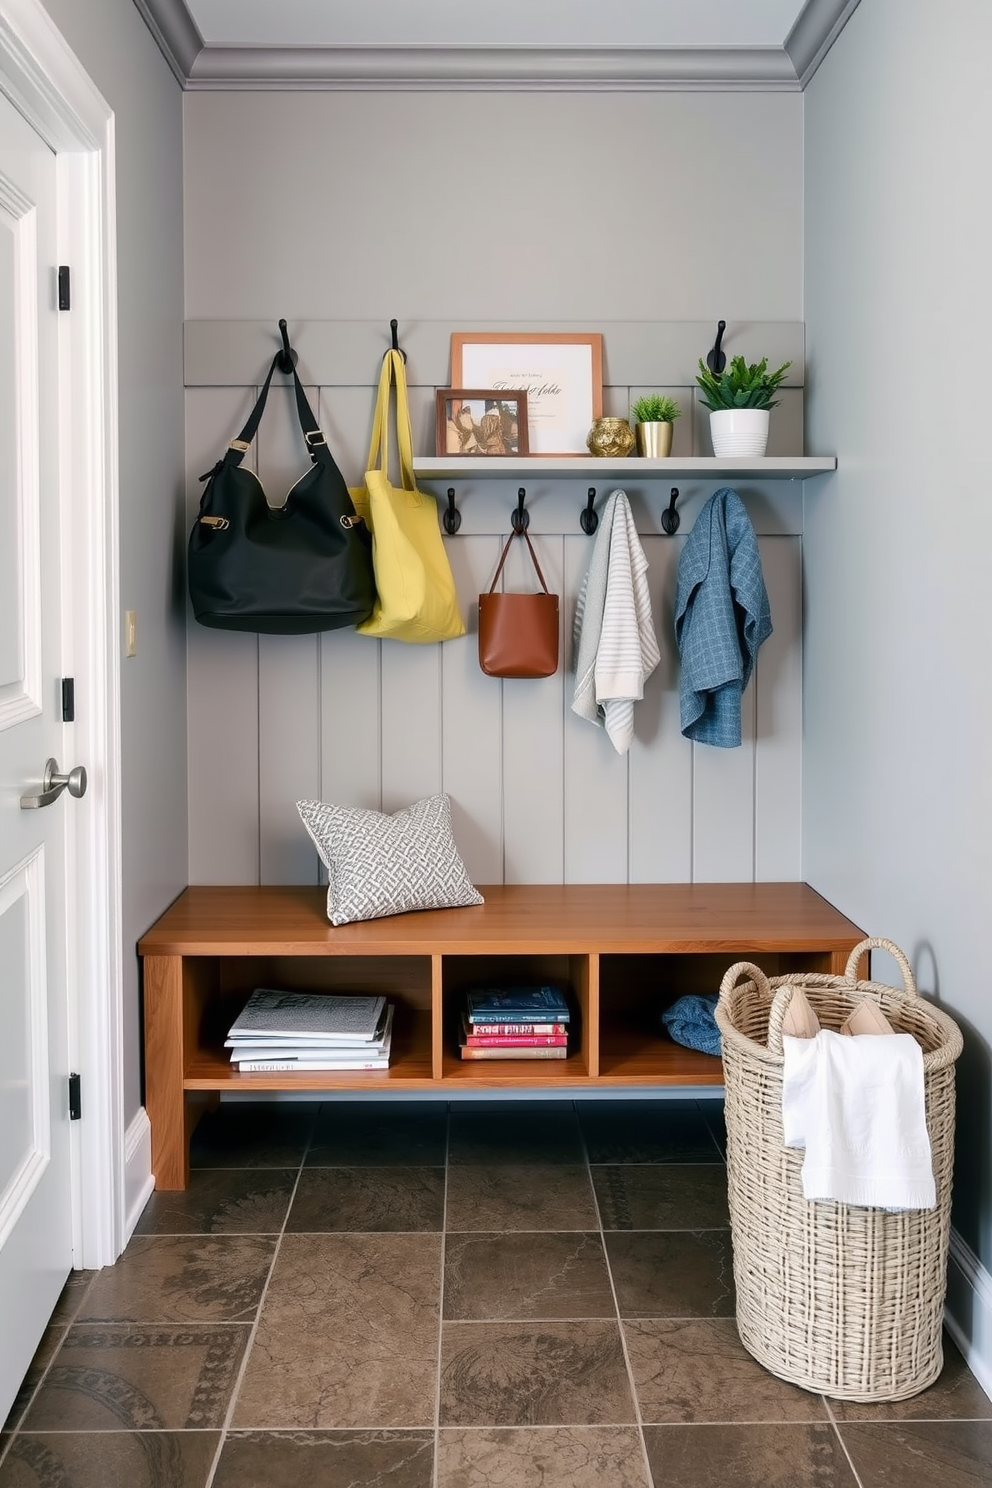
x=735 y=919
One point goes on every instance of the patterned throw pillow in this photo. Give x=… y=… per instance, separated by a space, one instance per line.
x=386 y=865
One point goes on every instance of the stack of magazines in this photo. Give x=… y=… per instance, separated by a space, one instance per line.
x=304 y=1031
x=515 y=1023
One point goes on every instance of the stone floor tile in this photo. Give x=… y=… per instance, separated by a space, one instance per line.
x=111 y=1378
x=664 y=1196
x=521 y=1196
x=249 y=1134
x=697 y=1370
x=920 y=1454
x=672 y=1273
x=787 y=1456
x=337 y=1459
x=542 y=1457
x=122 y=1459
x=374 y=1198
x=534 y=1374
x=517 y=1275
x=519 y=1132
x=387 y=1133
x=179 y=1279
x=222 y=1202
x=348 y=1335
x=646 y=1132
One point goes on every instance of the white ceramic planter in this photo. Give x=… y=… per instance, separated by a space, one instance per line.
x=739 y=431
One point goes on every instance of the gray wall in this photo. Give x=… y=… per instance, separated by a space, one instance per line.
x=897 y=801
x=114 y=45
x=493 y=206
x=467 y=209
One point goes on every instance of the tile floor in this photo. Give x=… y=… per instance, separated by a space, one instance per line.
x=484 y=1295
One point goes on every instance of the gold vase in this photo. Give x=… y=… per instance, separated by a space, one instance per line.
x=612 y=437
x=654 y=441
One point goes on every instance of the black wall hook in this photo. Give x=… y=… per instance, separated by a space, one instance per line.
x=716 y=359
x=286 y=359
x=588 y=519
x=452 y=518
x=521 y=516
x=670 y=518
x=394 y=334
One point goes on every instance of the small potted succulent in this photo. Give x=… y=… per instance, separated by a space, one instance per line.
x=654 y=415
x=739 y=399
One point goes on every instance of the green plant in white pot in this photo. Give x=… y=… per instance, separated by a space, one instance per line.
x=740 y=399
x=654 y=415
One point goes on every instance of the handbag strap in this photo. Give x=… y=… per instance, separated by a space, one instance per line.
x=316 y=443
x=499 y=568
x=392 y=371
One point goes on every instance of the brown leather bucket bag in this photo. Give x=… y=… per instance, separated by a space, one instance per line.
x=518 y=633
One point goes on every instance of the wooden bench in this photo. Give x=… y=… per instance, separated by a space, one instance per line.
x=622 y=952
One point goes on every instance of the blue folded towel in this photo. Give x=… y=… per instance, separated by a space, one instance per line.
x=721 y=618
x=691 y=1021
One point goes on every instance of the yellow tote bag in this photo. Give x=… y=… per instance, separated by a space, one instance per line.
x=417 y=599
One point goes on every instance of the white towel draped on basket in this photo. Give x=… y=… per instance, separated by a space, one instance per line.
x=615 y=645
x=857 y=1105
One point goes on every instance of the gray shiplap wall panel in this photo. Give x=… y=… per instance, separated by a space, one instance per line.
x=346 y=419
x=533 y=810
x=778 y=702
x=288 y=676
x=723 y=820
x=595 y=776
x=471 y=723
x=350 y=719
x=660 y=758
x=288 y=754
x=538 y=794
x=411 y=723
x=222 y=685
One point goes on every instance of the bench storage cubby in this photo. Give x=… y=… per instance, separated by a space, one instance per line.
x=621 y=952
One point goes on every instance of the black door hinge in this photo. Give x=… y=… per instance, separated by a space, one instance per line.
x=75 y=1102
x=68 y=700
x=64 y=287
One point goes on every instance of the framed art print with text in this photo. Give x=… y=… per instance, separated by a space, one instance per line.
x=561 y=373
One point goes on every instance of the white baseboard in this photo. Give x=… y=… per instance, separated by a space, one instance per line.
x=138 y=1180
x=968 y=1314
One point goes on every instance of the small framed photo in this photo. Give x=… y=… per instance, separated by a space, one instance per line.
x=479 y=421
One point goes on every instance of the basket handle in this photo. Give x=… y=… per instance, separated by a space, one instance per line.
x=874 y=942
x=734 y=974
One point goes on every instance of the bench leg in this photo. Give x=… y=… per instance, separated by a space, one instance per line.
x=164 y=1096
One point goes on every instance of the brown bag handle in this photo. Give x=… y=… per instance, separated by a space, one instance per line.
x=521 y=532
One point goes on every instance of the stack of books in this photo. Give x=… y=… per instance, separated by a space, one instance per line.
x=308 y=1031
x=516 y=1023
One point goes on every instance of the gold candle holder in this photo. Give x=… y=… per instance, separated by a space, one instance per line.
x=610 y=437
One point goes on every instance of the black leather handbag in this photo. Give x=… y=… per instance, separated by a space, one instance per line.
x=287 y=570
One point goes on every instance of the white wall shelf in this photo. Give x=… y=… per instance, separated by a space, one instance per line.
x=589 y=467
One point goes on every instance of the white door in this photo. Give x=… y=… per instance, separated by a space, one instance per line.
x=35 y=1208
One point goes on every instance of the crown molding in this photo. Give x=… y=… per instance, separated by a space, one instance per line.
x=817 y=27
x=495 y=69
x=491 y=69
x=175 y=31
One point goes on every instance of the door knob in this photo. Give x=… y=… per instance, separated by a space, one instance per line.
x=53 y=784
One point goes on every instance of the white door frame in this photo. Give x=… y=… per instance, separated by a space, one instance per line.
x=45 y=82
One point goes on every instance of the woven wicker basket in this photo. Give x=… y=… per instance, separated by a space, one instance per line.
x=842 y=1300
